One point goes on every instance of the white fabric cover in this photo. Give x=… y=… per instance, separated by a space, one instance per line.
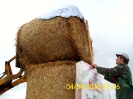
x=87 y=75
x=65 y=12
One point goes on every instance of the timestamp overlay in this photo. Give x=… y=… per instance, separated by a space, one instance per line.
x=93 y=86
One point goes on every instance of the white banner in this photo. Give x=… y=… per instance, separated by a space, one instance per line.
x=89 y=83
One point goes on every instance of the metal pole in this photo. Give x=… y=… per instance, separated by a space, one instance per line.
x=11 y=59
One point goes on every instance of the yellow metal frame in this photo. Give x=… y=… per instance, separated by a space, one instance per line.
x=11 y=80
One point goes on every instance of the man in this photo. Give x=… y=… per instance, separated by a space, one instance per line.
x=120 y=75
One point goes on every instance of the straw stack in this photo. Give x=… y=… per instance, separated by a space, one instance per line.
x=51 y=80
x=48 y=50
x=42 y=41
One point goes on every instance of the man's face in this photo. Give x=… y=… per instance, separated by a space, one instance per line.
x=119 y=60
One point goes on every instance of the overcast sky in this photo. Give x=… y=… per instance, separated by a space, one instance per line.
x=110 y=25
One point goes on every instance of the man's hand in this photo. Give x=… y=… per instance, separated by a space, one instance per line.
x=94 y=65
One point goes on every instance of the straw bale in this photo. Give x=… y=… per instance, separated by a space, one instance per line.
x=49 y=80
x=57 y=39
x=80 y=38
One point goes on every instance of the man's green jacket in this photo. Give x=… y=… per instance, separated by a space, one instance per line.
x=122 y=77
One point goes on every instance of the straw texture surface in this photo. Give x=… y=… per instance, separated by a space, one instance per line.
x=48 y=51
x=57 y=39
x=49 y=80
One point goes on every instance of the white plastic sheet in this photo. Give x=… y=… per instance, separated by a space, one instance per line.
x=89 y=83
x=65 y=11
